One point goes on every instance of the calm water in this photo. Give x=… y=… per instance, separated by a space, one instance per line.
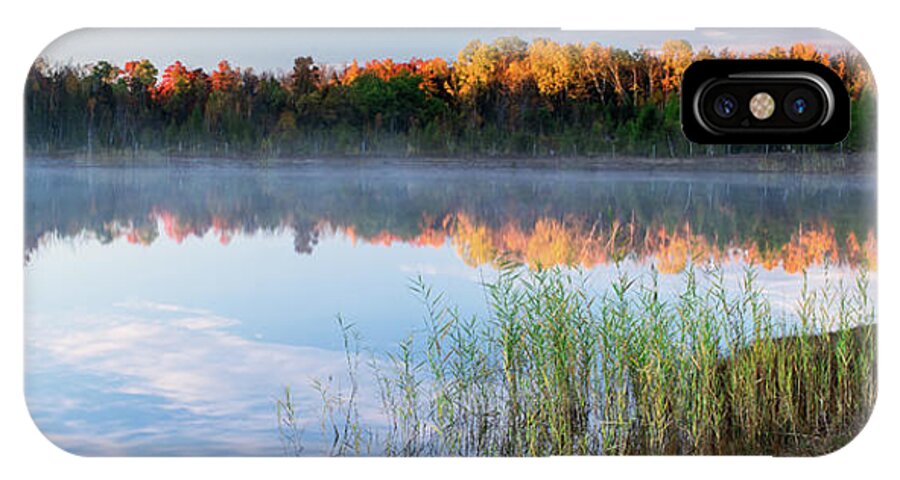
x=167 y=307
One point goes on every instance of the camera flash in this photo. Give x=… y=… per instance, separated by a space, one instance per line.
x=762 y=105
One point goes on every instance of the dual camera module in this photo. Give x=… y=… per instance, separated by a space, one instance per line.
x=799 y=105
x=763 y=101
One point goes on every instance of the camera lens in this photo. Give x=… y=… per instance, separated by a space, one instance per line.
x=725 y=105
x=801 y=105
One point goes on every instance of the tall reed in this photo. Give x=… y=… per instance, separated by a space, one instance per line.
x=558 y=369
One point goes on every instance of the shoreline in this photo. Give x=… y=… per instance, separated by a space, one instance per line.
x=786 y=163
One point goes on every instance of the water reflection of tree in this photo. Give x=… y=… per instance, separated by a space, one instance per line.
x=543 y=218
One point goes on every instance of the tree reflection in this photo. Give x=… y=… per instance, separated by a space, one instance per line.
x=539 y=218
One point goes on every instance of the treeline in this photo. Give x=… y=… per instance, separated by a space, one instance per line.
x=506 y=98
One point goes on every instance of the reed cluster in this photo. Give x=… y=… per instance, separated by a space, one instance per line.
x=560 y=369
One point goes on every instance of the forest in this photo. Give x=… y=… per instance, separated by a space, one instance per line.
x=507 y=98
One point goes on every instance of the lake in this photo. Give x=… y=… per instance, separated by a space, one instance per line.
x=167 y=307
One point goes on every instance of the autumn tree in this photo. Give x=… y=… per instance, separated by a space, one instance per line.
x=507 y=97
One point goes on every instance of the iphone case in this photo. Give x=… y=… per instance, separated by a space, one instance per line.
x=465 y=242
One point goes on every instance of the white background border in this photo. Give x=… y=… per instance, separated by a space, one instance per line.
x=28 y=27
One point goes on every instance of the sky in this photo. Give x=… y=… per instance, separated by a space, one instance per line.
x=275 y=49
